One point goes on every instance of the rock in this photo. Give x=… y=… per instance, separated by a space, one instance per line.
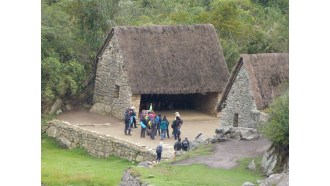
x=248 y=133
x=219 y=131
x=252 y=166
x=100 y=108
x=268 y=163
x=248 y=184
x=276 y=179
x=58 y=112
x=68 y=107
x=147 y=164
x=64 y=142
x=52 y=131
x=87 y=106
x=56 y=106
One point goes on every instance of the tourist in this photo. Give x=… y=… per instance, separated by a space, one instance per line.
x=163 y=127
x=127 y=122
x=158 y=120
x=159 y=151
x=153 y=128
x=178 y=145
x=167 y=124
x=133 y=117
x=143 y=124
x=176 y=125
x=185 y=144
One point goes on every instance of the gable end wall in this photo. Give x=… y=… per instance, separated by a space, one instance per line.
x=239 y=100
x=111 y=72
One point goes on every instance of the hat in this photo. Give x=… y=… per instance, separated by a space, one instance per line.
x=161 y=143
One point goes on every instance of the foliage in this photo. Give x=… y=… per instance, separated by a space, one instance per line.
x=76 y=167
x=60 y=79
x=276 y=129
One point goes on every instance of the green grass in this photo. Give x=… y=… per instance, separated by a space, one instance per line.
x=200 y=174
x=76 y=168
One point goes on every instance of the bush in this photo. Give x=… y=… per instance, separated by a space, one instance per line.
x=276 y=129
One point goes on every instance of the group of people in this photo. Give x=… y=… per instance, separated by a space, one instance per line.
x=154 y=124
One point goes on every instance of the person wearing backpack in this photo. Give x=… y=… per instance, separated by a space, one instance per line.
x=127 y=122
x=159 y=151
x=176 y=128
x=178 y=145
x=153 y=128
x=185 y=144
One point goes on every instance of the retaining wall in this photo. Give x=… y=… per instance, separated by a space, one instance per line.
x=98 y=145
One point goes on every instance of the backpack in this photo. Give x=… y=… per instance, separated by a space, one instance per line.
x=159 y=149
x=177 y=146
x=184 y=143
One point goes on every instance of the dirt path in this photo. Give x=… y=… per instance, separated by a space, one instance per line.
x=225 y=155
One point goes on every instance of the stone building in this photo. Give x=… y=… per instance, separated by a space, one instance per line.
x=254 y=83
x=170 y=67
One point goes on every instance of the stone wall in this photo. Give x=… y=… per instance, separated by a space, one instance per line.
x=207 y=103
x=112 y=94
x=98 y=145
x=130 y=179
x=240 y=101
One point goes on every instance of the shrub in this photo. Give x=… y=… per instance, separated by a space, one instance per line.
x=276 y=129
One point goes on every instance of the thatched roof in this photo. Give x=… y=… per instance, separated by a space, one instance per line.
x=172 y=59
x=266 y=73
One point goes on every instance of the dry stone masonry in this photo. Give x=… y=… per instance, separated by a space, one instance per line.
x=240 y=102
x=112 y=93
x=98 y=145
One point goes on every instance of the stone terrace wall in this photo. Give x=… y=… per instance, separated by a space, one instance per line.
x=96 y=144
x=112 y=94
x=240 y=101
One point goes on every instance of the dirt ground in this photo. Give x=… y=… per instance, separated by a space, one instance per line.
x=225 y=154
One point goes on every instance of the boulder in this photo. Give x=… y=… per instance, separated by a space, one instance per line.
x=58 y=112
x=252 y=166
x=281 y=179
x=56 y=106
x=268 y=163
x=100 y=108
x=147 y=164
x=64 y=142
x=248 y=133
x=52 y=131
x=248 y=184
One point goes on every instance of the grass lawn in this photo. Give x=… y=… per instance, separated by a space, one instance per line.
x=76 y=168
x=199 y=174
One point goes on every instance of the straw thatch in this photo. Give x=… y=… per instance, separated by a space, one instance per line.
x=172 y=59
x=266 y=73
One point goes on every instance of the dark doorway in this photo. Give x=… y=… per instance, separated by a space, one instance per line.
x=167 y=101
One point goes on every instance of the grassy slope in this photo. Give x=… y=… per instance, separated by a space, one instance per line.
x=75 y=167
x=199 y=174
